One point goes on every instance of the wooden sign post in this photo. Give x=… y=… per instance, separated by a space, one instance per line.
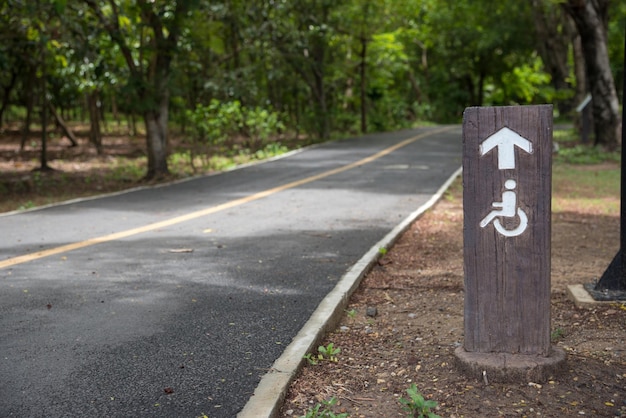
x=507 y=172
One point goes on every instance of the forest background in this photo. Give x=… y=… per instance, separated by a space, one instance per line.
x=237 y=77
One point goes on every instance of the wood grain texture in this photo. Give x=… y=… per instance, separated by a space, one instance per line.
x=507 y=279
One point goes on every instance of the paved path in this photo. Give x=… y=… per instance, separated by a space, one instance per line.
x=174 y=301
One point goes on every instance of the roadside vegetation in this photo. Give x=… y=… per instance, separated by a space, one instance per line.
x=586 y=172
x=191 y=86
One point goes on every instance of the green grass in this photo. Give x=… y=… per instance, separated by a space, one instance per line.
x=585 y=154
x=571 y=151
x=584 y=178
x=592 y=188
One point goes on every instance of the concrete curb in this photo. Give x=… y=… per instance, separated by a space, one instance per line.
x=269 y=395
x=582 y=299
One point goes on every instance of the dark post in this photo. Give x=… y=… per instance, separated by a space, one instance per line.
x=507 y=157
x=613 y=281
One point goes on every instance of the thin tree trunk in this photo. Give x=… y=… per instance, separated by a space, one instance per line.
x=363 y=84
x=101 y=109
x=415 y=86
x=551 y=25
x=95 y=136
x=133 y=125
x=66 y=130
x=579 y=67
x=44 y=118
x=156 y=139
x=30 y=93
x=7 y=94
x=322 y=108
x=115 y=111
x=591 y=18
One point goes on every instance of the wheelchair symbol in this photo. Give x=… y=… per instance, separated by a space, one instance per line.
x=507 y=208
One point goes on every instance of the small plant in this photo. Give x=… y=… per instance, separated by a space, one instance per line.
x=322 y=410
x=417 y=406
x=326 y=353
x=557 y=334
x=351 y=313
x=329 y=352
x=37 y=180
x=27 y=205
x=382 y=251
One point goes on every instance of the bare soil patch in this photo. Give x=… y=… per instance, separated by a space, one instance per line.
x=75 y=171
x=417 y=290
x=78 y=171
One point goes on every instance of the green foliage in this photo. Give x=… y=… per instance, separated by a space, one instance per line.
x=214 y=123
x=329 y=351
x=323 y=410
x=28 y=205
x=127 y=169
x=325 y=353
x=271 y=150
x=220 y=121
x=565 y=136
x=557 y=334
x=229 y=124
x=238 y=73
x=585 y=154
x=416 y=405
x=527 y=83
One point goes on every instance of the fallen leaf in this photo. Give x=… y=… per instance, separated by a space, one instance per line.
x=169 y=391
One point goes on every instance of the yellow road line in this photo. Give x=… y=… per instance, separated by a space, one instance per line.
x=214 y=209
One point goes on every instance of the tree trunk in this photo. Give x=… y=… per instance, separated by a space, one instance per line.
x=322 y=108
x=7 y=94
x=131 y=124
x=115 y=111
x=551 y=25
x=152 y=78
x=156 y=139
x=59 y=119
x=363 y=84
x=30 y=93
x=414 y=85
x=44 y=119
x=95 y=136
x=591 y=18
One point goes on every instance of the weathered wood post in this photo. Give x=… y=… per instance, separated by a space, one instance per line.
x=507 y=172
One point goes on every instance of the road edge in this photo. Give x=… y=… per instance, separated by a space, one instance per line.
x=270 y=393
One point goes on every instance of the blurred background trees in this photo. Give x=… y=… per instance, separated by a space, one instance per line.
x=203 y=69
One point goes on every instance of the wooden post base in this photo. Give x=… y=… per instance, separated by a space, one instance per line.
x=510 y=368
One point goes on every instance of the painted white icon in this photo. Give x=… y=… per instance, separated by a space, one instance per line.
x=505 y=140
x=507 y=208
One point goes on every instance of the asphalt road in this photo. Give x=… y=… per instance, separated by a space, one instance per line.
x=174 y=301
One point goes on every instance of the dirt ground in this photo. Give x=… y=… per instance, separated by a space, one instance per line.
x=76 y=171
x=417 y=290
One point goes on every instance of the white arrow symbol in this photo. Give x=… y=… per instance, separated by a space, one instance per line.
x=505 y=140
